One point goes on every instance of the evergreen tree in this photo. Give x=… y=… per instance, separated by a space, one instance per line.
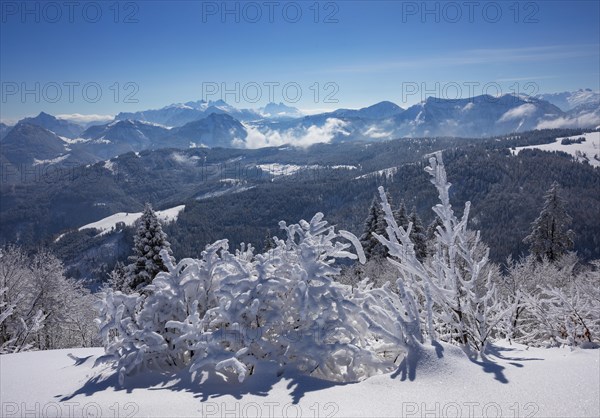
x=149 y=240
x=375 y=222
x=417 y=235
x=400 y=215
x=550 y=237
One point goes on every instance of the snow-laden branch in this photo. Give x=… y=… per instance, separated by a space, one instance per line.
x=459 y=298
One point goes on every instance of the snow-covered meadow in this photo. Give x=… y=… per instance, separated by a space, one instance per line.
x=587 y=150
x=107 y=224
x=517 y=381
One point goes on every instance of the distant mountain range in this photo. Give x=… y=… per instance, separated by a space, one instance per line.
x=179 y=114
x=45 y=139
x=477 y=116
x=569 y=100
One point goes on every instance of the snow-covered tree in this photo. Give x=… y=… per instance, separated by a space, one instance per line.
x=121 y=336
x=393 y=318
x=268 y=242
x=455 y=283
x=378 y=270
x=149 y=240
x=15 y=299
x=6 y=310
x=550 y=236
x=40 y=308
x=118 y=278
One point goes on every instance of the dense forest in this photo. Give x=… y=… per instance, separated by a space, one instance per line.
x=504 y=190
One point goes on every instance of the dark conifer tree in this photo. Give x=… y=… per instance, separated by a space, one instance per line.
x=550 y=237
x=401 y=216
x=149 y=240
x=374 y=223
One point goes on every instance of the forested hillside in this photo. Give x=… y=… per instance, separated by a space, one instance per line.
x=242 y=194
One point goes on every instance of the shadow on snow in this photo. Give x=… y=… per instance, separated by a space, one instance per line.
x=210 y=384
x=205 y=385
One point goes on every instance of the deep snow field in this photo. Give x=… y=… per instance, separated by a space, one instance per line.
x=517 y=381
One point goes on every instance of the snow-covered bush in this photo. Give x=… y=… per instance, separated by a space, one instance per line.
x=522 y=284
x=393 y=319
x=285 y=306
x=133 y=326
x=229 y=312
x=122 y=338
x=378 y=270
x=563 y=313
x=454 y=285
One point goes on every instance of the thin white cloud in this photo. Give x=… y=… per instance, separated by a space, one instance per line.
x=519 y=112
x=478 y=56
x=9 y=121
x=376 y=132
x=316 y=111
x=79 y=118
x=298 y=137
x=586 y=120
x=184 y=159
x=468 y=107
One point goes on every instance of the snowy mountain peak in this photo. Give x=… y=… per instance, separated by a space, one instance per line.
x=279 y=110
x=569 y=100
x=60 y=127
x=217 y=103
x=198 y=104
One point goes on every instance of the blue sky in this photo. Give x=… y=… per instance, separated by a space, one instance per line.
x=350 y=54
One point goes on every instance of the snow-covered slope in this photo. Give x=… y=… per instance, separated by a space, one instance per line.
x=105 y=225
x=276 y=169
x=386 y=172
x=588 y=150
x=517 y=381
